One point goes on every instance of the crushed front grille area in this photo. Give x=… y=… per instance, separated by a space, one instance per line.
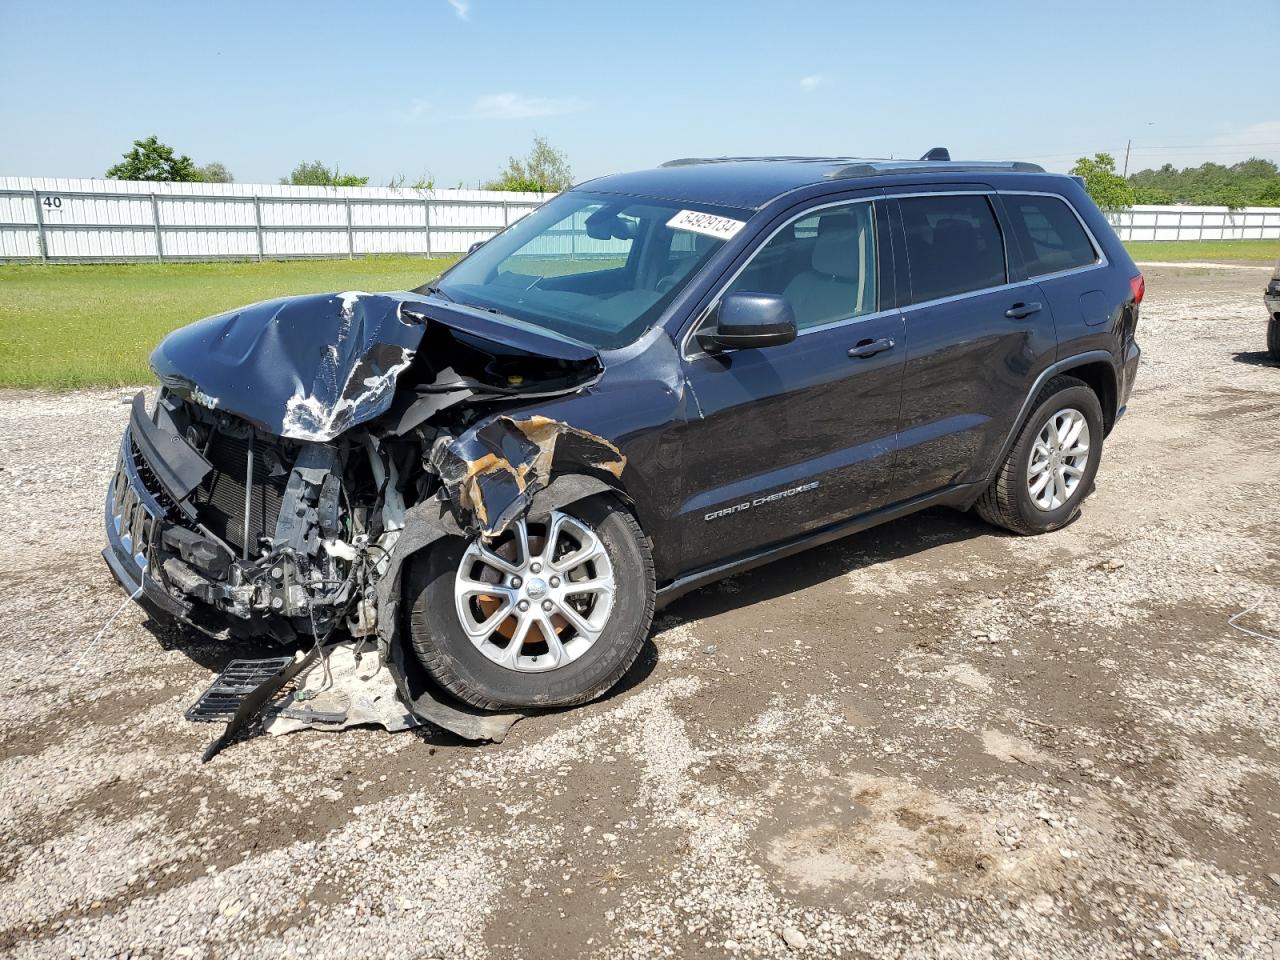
x=220 y=498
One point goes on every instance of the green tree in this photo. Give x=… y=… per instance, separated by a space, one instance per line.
x=1152 y=195
x=1109 y=190
x=152 y=160
x=316 y=174
x=544 y=170
x=1251 y=183
x=214 y=173
x=1269 y=194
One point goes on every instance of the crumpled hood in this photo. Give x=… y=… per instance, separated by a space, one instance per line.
x=311 y=367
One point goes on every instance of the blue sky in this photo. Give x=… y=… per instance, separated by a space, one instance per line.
x=450 y=88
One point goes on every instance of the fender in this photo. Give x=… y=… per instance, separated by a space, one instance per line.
x=570 y=488
x=1061 y=366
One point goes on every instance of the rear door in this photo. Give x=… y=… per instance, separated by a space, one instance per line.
x=786 y=439
x=1061 y=256
x=977 y=337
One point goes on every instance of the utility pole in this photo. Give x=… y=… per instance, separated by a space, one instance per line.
x=1127 y=145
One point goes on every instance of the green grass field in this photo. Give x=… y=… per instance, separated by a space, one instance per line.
x=1169 y=251
x=65 y=326
x=94 y=326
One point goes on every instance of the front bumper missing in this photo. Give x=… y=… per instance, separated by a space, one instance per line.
x=135 y=520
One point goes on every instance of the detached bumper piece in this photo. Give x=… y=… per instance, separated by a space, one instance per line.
x=252 y=700
x=238 y=679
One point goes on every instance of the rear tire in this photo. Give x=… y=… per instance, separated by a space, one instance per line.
x=1009 y=501
x=460 y=663
x=1273 y=337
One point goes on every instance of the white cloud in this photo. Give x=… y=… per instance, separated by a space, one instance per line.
x=517 y=106
x=418 y=109
x=811 y=81
x=462 y=8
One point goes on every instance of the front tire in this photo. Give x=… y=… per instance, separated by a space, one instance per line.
x=1273 y=337
x=549 y=615
x=1052 y=464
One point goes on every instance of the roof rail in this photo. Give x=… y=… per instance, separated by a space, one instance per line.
x=936 y=160
x=691 y=161
x=885 y=168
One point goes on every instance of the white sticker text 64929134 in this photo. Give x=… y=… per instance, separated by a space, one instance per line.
x=706 y=223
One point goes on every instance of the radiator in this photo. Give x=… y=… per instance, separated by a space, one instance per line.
x=220 y=499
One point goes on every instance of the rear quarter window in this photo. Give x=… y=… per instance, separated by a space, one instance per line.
x=1049 y=234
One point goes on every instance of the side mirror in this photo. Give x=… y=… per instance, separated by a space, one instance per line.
x=744 y=320
x=476 y=246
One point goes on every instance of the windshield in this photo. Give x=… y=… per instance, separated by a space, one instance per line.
x=594 y=267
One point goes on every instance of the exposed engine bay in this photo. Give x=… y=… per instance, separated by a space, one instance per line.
x=300 y=450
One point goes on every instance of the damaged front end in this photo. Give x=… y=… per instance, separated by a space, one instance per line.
x=237 y=531
x=300 y=450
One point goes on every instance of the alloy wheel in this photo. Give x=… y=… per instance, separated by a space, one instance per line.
x=1058 y=459
x=537 y=598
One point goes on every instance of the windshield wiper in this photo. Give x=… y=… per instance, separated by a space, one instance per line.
x=436 y=292
x=480 y=306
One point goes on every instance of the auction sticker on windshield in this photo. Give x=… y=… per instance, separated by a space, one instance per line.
x=706 y=223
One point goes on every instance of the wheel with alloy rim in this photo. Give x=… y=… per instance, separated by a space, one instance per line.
x=1058 y=458
x=540 y=599
x=550 y=613
x=1052 y=464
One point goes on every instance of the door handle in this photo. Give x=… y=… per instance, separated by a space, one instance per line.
x=869 y=348
x=1021 y=310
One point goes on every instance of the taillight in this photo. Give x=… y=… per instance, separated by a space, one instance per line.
x=1139 y=288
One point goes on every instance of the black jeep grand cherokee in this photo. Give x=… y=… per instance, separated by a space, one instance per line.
x=654 y=380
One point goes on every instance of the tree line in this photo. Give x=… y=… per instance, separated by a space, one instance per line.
x=543 y=170
x=1251 y=183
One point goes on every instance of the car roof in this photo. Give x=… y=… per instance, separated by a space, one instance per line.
x=751 y=182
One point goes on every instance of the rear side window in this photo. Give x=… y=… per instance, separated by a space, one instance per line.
x=1049 y=234
x=824 y=265
x=954 y=245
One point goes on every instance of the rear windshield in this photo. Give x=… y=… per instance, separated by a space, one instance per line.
x=598 y=268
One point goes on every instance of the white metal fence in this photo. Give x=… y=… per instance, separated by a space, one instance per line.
x=82 y=221
x=1197 y=223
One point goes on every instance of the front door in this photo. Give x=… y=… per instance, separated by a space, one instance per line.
x=786 y=439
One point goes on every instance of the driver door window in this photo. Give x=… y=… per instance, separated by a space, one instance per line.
x=824 y=265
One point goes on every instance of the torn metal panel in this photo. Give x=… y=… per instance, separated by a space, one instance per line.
x=419 y=410
x=493 y=471
x=312 y=367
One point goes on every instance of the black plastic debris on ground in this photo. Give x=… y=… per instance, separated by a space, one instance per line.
x=239 y=678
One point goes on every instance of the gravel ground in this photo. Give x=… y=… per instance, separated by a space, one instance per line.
x=930 y=740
